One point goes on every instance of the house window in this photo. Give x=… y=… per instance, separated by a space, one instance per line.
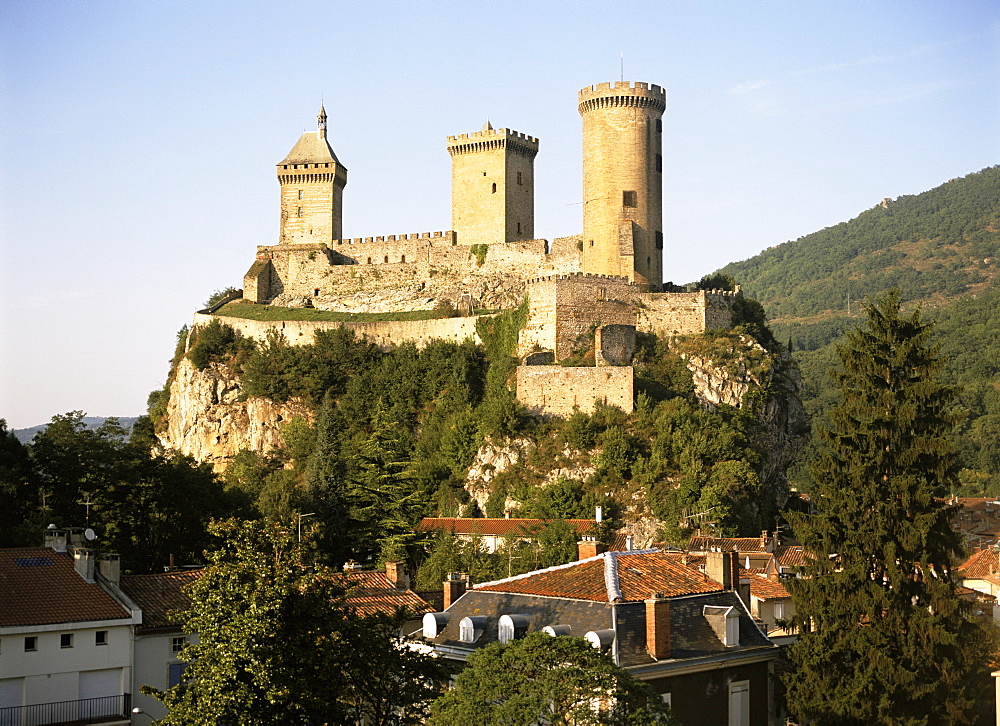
x=177 y=644
x=779 y=611
x=666 y=700
x=66 y=640
x=101 y=637
x=176 y=674
x=739 y=703
x=471 y=627
x=30 y=643
x=630 y=199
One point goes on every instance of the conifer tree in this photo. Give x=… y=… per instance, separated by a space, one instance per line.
x=886 y=639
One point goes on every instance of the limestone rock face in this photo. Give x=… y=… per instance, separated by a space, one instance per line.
x=208 y=421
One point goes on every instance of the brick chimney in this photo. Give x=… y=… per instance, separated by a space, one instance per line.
x=724 y=568
x=454 y=587
x=589 y=546
x=395 y=572
x=658 y=627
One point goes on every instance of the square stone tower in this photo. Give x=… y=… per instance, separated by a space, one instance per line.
x=623 y=181
x=492 y=186
x=312 y=190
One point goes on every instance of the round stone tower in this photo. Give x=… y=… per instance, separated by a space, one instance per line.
x=623 y=180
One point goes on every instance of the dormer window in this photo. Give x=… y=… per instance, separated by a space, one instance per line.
x=512 y=627
x=470 y=628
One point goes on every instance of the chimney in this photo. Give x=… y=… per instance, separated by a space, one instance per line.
x=723 y=567
x=83 y=562
x=454 y=587
x=75 y=537
x=396 y=573
x=588 y=546
x=55 y=538
x=110 y=567
x=658 y=627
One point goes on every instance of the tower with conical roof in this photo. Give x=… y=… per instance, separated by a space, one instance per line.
x=492 y=186
x=623 y=180
x=312 y=183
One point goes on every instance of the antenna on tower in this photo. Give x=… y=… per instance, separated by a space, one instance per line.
x=623 y=65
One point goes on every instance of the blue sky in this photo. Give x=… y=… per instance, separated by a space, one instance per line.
x=138 y=140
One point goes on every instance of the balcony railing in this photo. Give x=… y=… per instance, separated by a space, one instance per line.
x=83 y=711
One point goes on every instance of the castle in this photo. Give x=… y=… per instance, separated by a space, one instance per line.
x=604 y=283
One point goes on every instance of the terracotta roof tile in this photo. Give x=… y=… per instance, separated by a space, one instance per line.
x=980 y=564
x=496 y=526
x=629 y=576
x=764 y=588
x=726 y=544
x=158 y=595
x=371 y=592
x=39 y=586
x=791 y=555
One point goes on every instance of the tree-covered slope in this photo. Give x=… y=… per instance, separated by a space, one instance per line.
x=942 y=250
x=935 y=246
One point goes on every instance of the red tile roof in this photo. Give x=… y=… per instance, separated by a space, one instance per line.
x=726 y=544
x=39 y=586
x=791 y=555
x=980 y=564
x=627 y=576
x=496 y=526
x=158 y=595
x=372 y=592
x=764 y=588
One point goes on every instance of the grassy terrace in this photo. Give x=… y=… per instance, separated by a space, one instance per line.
x=250 y=311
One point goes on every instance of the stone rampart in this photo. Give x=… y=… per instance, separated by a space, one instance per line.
x=686 y=313
x=559 y=391
x=384 y=333
x=614 y=345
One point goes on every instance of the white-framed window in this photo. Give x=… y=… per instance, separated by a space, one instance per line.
x=739 y=703
x=779 y=611
x=177 y=644
x=101 y=637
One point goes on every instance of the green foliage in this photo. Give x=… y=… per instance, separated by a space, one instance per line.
x=18 y=492
x=940 y=242
x=887 y=639
x=218 y=343
x=479 y=252
x=217 y=296
x=715 y=281
x=540 y=679
x=144 y=506
x=251 y=311
x=278 y=644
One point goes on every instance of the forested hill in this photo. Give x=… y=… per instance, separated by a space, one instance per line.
x=936 y=246
x=942 y=250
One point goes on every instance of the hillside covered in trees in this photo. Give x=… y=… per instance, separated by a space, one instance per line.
x=942 y=250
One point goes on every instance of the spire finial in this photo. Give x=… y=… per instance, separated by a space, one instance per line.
x=321 y=121
x=487 y=126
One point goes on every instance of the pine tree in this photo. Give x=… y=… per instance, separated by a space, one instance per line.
x=886 y=639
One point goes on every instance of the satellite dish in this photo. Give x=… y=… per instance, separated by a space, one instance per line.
x=51 y=526
x=89 y=534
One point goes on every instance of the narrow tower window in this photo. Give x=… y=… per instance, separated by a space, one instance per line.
x=659 y=162
x=494 y=187
x=659 y=240
x=519 y=228
x=659 y=124
x=299 y=212
x=300 y=194
x=629 y=199
x=518 y=177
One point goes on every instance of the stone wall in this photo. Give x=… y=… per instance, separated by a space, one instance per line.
x=383 y=333
x=685 y=313
x=614 y=345
x=564 y=309
x=559 y=391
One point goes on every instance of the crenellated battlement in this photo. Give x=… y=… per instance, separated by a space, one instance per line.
x=622 y=93
x=447 y=236
x=583 y=278
x=493 y=139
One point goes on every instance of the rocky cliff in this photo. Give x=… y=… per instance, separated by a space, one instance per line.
x=208 y=420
